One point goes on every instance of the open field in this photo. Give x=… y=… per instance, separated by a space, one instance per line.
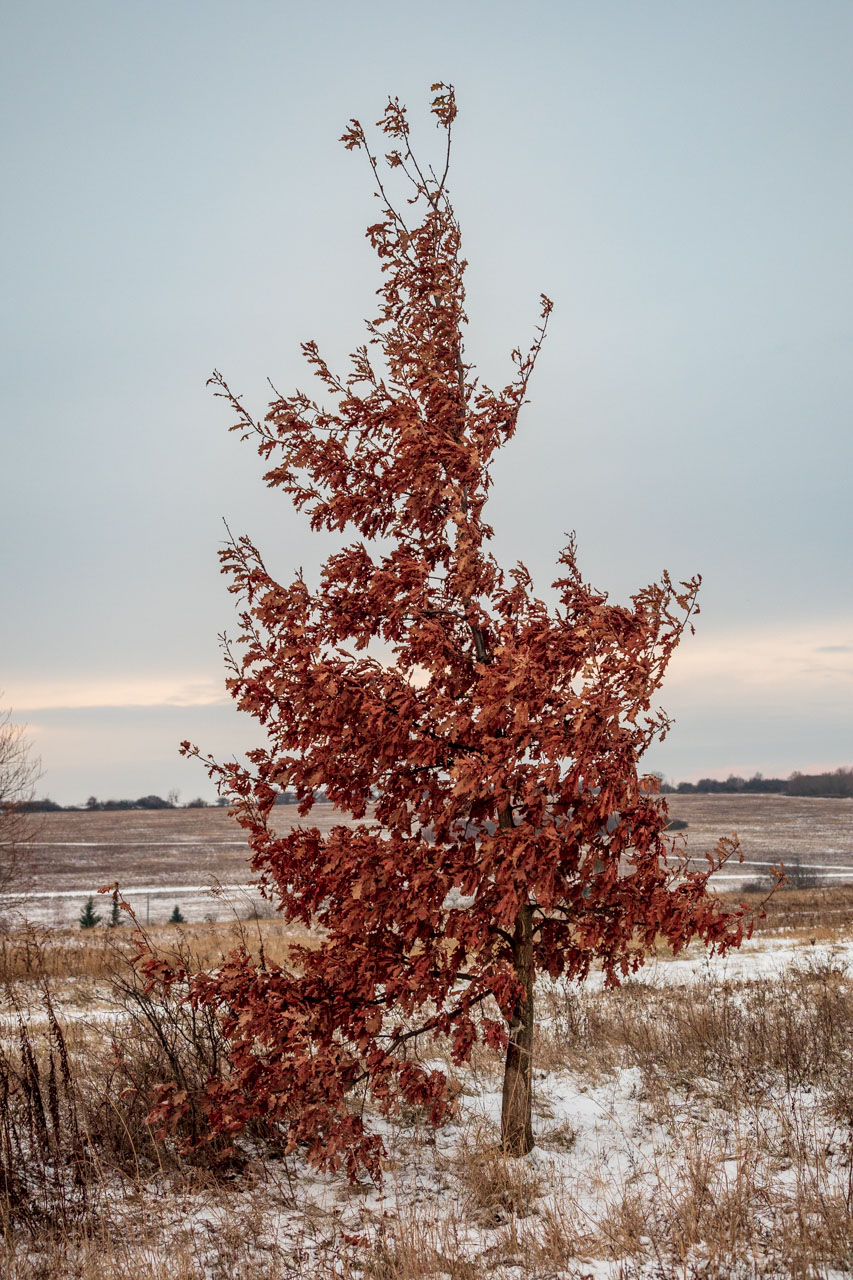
x=167 y=857
x=797 y=830
x=160 y=857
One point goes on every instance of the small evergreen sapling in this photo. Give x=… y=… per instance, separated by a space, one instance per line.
x=89 y=916
x=176 y=917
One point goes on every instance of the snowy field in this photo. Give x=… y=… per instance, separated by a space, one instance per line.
x=185 y=857
x=696 y=1123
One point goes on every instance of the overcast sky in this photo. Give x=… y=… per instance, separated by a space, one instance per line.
x=677 y=176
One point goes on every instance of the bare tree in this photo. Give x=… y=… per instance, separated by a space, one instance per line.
x=19 y=771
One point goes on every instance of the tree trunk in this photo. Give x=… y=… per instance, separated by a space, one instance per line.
x=516 y=1117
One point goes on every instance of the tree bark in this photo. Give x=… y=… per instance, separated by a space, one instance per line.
x=516 y=1111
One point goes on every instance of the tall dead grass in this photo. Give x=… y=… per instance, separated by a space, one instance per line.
x=818 y=911
x=730 y=1040
x=736 y=1159
x=34 y=953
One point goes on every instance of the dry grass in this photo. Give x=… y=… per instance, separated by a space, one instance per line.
x=729 y=1039
x=694 y=1132
x=497 y=1189
x=34 y=953
x=230 y=1243
x=821 y=913
x=809 y=915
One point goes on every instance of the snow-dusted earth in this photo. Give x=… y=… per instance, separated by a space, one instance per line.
x=604 y=1148
x=763 y=956
x=166 y=857
x=637 y=1172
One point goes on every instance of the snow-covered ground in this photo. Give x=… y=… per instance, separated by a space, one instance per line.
x=645 y=1165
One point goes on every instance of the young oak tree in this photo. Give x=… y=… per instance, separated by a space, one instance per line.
x=498 y=822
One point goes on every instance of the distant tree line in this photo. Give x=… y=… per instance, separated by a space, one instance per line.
x=838 y=783
x=93 y=804
x=835 y=784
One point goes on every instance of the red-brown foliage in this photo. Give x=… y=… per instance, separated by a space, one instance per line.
x=488 y=750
